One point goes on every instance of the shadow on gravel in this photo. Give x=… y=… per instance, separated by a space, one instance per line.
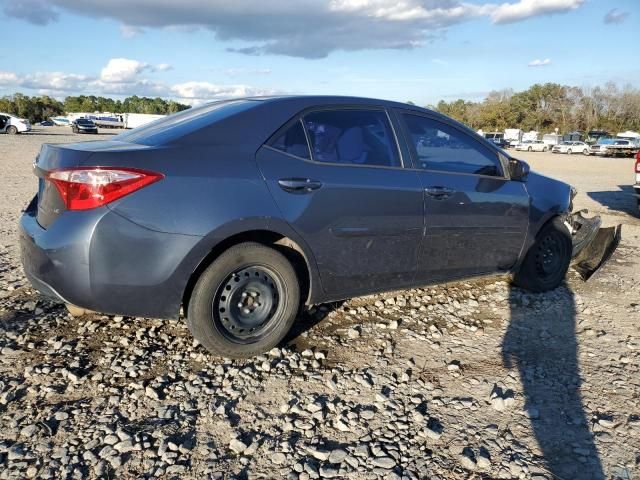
x=621 y=200
x=307 y=320
x=542 y=345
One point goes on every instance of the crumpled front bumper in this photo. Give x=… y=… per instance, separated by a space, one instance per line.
x=592 y=244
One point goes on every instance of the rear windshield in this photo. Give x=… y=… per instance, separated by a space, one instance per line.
x=183 y=123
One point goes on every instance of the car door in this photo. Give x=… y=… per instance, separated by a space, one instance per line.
x=476 y=217
x=337 y=176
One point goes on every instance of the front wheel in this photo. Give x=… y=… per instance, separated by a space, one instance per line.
x=12 y=130
x=585 y=152
x=547 y=261
x=529 y=149
x=245 y=302
x=569 y=152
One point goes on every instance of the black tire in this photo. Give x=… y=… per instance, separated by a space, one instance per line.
x=12 y=130
x=225 y=314
x=569 y=152
x=544 y=149
x=585 y=152
x=529 y=149
x=547 y=261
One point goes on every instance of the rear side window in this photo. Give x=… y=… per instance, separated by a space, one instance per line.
x=179 y=124
x=441 y=147
x=352 y=136
x=293 y=141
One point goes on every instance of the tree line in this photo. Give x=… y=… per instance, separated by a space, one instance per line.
x=542 y=107
x=43 y=107
x=548 y=106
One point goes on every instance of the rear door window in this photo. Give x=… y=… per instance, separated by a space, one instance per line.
x=293 y=141
x=352 y=137
x=443 y=147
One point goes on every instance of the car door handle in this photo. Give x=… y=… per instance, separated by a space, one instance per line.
x=299 y=185
x=438 y=192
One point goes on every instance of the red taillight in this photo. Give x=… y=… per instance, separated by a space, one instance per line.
x=638 y=162
x=91 y=187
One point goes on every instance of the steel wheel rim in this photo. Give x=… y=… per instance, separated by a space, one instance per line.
x=549 y=256
x=247 y=302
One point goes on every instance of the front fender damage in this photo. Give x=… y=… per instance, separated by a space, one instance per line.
x=592 y=244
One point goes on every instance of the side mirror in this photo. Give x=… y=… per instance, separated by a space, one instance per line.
x=518 y=170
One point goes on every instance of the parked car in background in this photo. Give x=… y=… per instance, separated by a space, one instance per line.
x=497 y=138
x=239 y=212
x=636 y=186
x=61 y=121
x=532 y=146
x=46 y=123
x=600 y=148
x=84 y=125
x=623 y=147
x=13 y=125
x=571 y=147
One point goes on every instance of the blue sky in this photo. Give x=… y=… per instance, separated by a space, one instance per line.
x=418 y=50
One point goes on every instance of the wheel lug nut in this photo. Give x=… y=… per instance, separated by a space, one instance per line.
x=246 y=311
x=239 y=304
x=244 y=294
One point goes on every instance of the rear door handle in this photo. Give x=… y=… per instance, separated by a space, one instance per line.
x=299 y=185
x=438 y=192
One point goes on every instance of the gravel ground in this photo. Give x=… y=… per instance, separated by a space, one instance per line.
x=464 y=380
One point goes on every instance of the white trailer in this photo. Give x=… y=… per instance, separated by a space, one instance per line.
x=513 y=136
x=133 y=120
x=552 y=139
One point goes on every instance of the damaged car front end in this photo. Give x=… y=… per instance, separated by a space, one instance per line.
x=593 y=244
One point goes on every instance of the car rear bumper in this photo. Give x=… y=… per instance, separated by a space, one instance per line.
x=636 y=191
x=101 y=261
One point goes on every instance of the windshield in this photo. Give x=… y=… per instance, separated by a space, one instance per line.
x=185 y=122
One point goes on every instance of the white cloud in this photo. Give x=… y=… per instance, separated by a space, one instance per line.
x=206 y=90
x=302 y=28
x=56 y=81
x=523 y=9
x=8 y=78
x=615 y=16
x=124 y=77
x=122 y=70
x=163 y=67
x=540 y=63
x=129 y=31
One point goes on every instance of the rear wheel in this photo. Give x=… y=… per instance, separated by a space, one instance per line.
x=547 y=261
x=12 y=130
x=245 y=302
x=585 y=152
x=529 y=149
